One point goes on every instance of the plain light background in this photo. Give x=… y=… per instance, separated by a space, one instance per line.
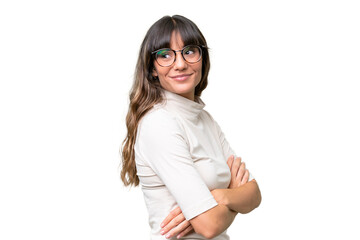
x=284 y=87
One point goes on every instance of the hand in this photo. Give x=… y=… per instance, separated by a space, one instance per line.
x=239 y=173
x=220 y=196
x=175 y=224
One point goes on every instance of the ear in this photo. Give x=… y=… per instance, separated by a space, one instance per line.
x=154 y=72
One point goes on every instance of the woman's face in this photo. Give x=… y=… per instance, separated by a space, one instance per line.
x=181 y=77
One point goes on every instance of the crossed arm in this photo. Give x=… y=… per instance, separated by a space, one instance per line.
x=241 y=197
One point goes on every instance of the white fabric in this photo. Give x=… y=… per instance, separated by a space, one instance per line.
x=181 y=156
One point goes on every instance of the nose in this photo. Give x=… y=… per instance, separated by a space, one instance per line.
x=180 y=62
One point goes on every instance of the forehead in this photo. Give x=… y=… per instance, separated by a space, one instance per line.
x=176 y=41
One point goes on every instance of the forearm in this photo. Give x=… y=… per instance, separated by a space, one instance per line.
x=214 y=221
x=242 y=199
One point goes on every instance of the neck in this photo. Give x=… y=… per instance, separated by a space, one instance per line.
x=190 y=96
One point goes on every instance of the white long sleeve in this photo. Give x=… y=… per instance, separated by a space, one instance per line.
x=162 y=146
x=180 y=155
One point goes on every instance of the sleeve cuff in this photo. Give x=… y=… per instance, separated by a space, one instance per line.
x=251 y=177
x=199 y=208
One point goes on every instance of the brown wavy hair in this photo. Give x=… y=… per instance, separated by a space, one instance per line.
x=146 y=90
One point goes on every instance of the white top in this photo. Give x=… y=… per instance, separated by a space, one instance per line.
x=180 y=155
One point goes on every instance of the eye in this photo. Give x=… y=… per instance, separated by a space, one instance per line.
x=191 y=50
x=164 y=54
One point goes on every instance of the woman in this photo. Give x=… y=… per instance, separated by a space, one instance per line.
x=173 y=147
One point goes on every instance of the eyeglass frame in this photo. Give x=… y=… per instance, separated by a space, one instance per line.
x=182 y=54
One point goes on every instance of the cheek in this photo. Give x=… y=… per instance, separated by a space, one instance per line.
x=162 y=77
x=199 y=72
x=161 y=71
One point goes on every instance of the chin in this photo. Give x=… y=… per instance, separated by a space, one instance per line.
x=186 y=89
x=183 y=90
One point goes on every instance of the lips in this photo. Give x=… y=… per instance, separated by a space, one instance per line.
x=181 y=77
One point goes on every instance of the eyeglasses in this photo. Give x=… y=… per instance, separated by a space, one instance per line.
x=165 y=57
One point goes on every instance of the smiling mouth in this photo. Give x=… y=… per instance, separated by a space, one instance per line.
x=181 y=77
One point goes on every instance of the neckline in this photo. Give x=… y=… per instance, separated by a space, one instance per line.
x=183 y=106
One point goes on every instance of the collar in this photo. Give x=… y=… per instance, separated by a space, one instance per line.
x=183 y=106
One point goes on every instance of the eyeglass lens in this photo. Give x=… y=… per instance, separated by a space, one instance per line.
x=166 y=57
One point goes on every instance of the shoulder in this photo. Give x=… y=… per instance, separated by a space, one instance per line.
x=159 y=129
x=158 y=120
x=208 y=118
x=156 y=116
x=207 y=115
x=211 y=121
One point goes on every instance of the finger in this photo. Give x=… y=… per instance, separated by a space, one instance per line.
x=239 y=176
x=245 y=179
x=235 y=167
x=241 y=171
x=173 y=224
x=230 y=161
x=178 y=229
x=186 y=231
x=171 y=216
